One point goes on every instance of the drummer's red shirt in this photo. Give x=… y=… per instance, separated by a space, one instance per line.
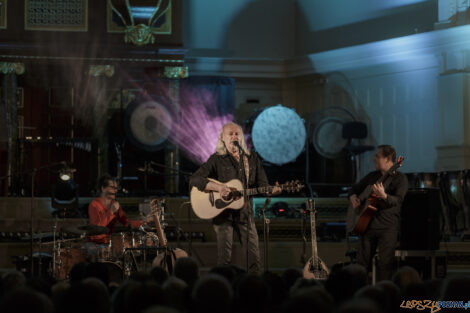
x=102 y=216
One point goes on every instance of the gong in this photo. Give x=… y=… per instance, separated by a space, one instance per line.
x=148 y=124
x=278 y=134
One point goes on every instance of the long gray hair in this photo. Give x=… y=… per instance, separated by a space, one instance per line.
x=221 y=149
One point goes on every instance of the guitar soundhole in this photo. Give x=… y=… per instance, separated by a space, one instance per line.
x=228 y=197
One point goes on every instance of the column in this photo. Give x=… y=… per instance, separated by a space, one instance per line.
x=453 y=116
x=9 y=106
x=172 y=152
x=98 y=75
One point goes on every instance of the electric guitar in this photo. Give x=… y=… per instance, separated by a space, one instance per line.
x=209 y=204
x=315 y=268
x=357 y=219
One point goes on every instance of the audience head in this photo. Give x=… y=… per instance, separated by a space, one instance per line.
x=344 y=283
x=13 y=280
x=456 y=288
x=186 y=268
x=309 y=299
x=159 y=275
x=359 y=306
x=376 y=295
x=90 y=295
x=252 y=294
x=227 y=271
x=176 y=292
x=24 y=300
x=290 y=276
x=212 y=293
x=406 y=275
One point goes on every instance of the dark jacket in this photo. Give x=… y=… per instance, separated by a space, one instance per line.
x=388 y=214
x=225 y=168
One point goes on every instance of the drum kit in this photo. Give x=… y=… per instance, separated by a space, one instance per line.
x=127 y=251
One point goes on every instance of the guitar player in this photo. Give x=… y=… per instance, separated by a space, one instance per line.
x=228 y=163
x=382 y=231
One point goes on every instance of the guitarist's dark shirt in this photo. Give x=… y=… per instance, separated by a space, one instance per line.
x=225 y=168
x=388 y=214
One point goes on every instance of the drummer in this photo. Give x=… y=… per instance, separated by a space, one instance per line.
x=106 y=211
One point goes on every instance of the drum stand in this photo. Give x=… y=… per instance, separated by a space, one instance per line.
x=127 y=268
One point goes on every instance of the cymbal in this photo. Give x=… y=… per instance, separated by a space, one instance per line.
x=126 y=229
x=88 y=230
x=41 y=236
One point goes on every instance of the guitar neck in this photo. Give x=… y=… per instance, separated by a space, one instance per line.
x=255 y=191
x=368 y=190
x=158 y=227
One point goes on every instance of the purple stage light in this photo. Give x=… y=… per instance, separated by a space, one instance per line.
x=197 y=128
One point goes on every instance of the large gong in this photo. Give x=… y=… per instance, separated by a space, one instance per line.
x=148 y=124
x=278 y=134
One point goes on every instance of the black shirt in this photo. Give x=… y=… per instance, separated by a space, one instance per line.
x=388 y=214
x=225 y=168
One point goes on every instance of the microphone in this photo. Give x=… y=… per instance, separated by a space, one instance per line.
x=236 y=144
x=266 y=203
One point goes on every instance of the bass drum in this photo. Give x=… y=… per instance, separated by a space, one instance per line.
x=167 y=259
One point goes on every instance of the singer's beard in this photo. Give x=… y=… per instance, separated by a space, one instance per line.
x=231 y=148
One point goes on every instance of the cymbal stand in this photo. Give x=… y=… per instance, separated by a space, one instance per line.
x=57 y=251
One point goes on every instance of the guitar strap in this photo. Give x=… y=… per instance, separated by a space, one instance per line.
x=247 y=169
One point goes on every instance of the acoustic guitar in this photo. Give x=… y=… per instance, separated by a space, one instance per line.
x=315 y=268
x=357 y=219
x=209 y=204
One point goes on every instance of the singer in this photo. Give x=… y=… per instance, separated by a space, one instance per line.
x=106 y=211
x=233 y=160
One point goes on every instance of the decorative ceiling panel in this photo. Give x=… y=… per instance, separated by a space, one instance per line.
x=56 y=15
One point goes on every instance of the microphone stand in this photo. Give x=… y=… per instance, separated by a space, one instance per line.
x=245 y=198
x=266 y=222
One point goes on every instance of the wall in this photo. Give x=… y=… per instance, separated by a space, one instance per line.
x=239 y=29
x=411 y=88
x=325 y=25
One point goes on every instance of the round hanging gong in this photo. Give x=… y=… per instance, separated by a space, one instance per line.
x=148 y=124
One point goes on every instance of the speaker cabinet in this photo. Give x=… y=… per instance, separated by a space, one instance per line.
x=420 y=216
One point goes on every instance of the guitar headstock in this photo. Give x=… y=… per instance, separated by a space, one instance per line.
x=311 y=205
x=156 y=205
x=293 y=186
x=400 y=160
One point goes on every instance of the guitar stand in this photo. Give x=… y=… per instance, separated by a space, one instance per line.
x=180 y=230
x=303 y=222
